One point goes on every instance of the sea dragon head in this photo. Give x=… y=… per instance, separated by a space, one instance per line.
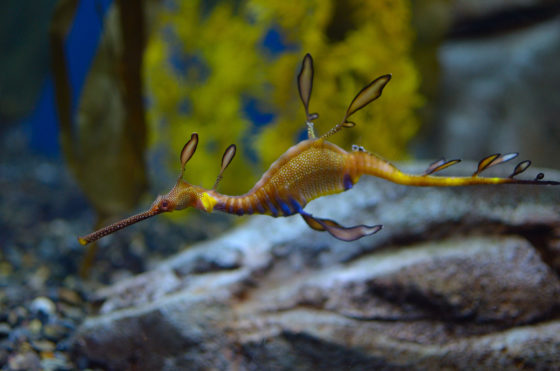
x=181 y=196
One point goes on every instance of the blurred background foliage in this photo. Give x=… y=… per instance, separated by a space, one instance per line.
x=227 y=70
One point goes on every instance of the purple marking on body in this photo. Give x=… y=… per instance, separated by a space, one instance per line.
x=347 y=182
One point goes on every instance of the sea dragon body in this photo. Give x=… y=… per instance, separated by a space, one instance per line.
x=310 y=169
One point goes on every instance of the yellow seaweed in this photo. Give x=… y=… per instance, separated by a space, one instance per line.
x=222 y=63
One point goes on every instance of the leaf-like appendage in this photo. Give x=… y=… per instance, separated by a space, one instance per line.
x=440 y=165
x=368 y=94
x=503 y=158
x=312 y=222
x=188 y=150
x=485 y=163
x=520 y=167
x=494 y=160
x=338 y=231
x=434 y=165
x=352 y=233
x=305 y=82
x=228 y=157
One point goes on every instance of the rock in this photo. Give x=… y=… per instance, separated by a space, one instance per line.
x=55 y=331
x=28 y=361
x=43 y=345
x=19 y=335
x=69 y=296
x=35 y=327
x=4 y=355
x=139 y=290
x=16 y=315
x=71 y=312
x=4 y=329
x=43 y=305
x=56 y=362
x=458 y=278
x=442 y=280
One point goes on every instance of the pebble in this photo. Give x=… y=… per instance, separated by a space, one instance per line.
x=16 y=315
x=35 y=327
x=43 y=305
x=69 y=296
x=3 y=356
x=19 y=334
x=40 y=276
x=55 y=331
x=56 y=361
x=24 y=361
x=71 y=312
x=35 y=335
x=4 y=329
x=43 y=345
x=5 y=269
x=42 y=298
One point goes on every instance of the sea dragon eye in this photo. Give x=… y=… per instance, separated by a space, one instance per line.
x=164 y=205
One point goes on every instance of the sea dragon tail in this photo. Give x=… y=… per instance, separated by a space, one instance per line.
x=364 y=163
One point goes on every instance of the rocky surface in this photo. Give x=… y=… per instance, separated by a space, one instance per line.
x=458 y=278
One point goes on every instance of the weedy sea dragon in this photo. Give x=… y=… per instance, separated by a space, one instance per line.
x=310 y=169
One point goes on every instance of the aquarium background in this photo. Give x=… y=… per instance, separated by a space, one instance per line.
x=98 y=97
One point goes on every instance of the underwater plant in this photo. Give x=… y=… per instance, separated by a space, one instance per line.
x=310 y=169
x=223 y=69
